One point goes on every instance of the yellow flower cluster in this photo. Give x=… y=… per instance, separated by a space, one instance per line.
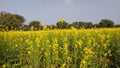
x=71 y=48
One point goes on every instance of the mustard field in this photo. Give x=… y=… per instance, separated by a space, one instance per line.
x=71 y=48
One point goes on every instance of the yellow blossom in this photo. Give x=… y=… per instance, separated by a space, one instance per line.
x=88 y=51
x=105 y=54
x=4 y=66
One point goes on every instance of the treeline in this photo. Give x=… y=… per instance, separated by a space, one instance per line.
x=10 y=21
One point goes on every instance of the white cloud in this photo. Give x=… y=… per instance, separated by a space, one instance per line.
x=67 y=1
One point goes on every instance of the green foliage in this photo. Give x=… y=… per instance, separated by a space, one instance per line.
x=51 y=26
x=77 y=25
x=36 y=24
x=11 y=21
x=106 y=23
x=62 y=24
x=81 y=24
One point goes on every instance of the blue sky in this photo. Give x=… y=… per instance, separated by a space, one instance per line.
x=50 y=11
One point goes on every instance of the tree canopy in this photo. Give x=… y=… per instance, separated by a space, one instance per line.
x=62 y=24
x=11 y=21
x=106 y=23
x=36 y=24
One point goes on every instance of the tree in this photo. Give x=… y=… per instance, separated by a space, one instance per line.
x=62 y=24
x=21 y=18
x=96 y=26
x=81 y=24
x=70 y=25
x=106 y=23
x=36 y=24
x=88 y=25
x=11 y=21
x=76 y=25
x=117 y=26
x=25 y=27
x=51 y=26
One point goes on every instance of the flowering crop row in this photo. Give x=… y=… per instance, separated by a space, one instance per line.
x=85 y=48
